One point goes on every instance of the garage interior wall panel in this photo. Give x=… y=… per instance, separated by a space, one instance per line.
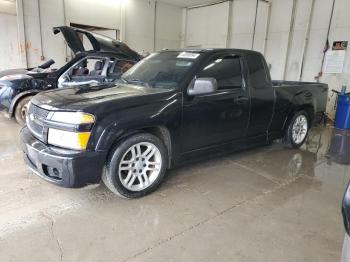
x=261 y=27
x=207 y=26
x=298 y=39
x=242 y=24
x=8 y=7
x=340 y=31
x=101 y=13
x=168 y=27
x=9 y=45
x=139 y=25
x=277 y=43
x=32 y=32
x=317 y=39
x=53 y=45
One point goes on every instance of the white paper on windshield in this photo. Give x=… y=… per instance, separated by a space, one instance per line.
x=188 y=55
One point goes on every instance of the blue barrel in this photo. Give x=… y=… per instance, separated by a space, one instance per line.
x=342 y=114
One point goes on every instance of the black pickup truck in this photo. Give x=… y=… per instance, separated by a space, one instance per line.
x=171 y=107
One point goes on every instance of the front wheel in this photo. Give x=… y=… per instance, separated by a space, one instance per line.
x=136 y=166
x=297 y=130
x=21 y=110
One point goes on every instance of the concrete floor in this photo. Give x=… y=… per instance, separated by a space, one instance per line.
x=267 y=204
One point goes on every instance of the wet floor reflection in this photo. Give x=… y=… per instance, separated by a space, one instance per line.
x=339 y=150
x=286 y=201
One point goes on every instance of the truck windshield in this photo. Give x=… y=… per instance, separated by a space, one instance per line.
x=161 y=70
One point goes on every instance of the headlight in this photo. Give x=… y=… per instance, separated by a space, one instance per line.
x=77 y=137
x=68 y=139
x=74 y=118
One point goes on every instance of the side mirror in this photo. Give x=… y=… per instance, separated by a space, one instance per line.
x=201 y=86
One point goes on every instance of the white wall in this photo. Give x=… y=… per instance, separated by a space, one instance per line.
x=139 y=25
x=261 y=27
x=298 y=40
x=53 y=45
x=242 y=24
x=9 y=44
x=151 y=26
x=207 y=26
x=276 y=49
x=135 y=19
x=284 y=50
x=168 y=26
x=9 y=47
x=101 y=13
x=340 y=30
x=7 y=7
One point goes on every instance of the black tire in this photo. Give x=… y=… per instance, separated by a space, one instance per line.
x=111 y=177
x=288 y=138
x=21 y=110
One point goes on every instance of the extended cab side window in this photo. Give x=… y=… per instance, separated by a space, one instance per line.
x=225 y=69
x=257 y=73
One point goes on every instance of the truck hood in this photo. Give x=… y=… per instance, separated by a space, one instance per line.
x=98 y=42
x=90 y=98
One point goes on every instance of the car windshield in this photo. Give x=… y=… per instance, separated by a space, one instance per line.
x=161 y=70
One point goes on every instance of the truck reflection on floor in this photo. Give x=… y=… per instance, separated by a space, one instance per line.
x=339 y=152
x=339 y=149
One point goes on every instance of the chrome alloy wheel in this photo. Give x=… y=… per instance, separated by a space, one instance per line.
x=140 y=166
x=299 y=129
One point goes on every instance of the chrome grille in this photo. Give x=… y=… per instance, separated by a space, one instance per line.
x=38 y=112
x=36 y=116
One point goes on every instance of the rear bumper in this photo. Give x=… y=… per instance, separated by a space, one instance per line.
x=65 y=168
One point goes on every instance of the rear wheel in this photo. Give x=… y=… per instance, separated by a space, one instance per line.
x=297 y=130
x=136 y=166
x=21 y=110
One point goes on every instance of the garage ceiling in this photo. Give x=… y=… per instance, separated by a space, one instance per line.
x=186 y=3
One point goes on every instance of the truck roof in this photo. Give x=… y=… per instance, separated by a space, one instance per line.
x=212 y=50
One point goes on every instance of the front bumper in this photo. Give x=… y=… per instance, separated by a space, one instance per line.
x=65 y=168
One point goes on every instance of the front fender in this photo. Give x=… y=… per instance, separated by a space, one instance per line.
x=18 y=97
x=115 y=127
x=118 y=131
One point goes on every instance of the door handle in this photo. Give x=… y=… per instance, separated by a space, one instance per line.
x=308 y=94
x=241 y=100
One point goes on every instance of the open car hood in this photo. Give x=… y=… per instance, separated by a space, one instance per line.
x=99 y=42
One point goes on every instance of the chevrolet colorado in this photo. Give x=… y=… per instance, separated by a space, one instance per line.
x=172 y=107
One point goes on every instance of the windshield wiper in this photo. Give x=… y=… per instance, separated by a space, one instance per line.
x=135 y=81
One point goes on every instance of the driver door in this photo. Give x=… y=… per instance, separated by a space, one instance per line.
x=220 y=117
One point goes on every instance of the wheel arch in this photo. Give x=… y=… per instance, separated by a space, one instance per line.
x=18 y=97
x=159 y=131
x=307 y=107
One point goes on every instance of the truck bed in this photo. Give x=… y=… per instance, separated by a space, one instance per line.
x=282 y=83
x=317 y=92
x=288 y=93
